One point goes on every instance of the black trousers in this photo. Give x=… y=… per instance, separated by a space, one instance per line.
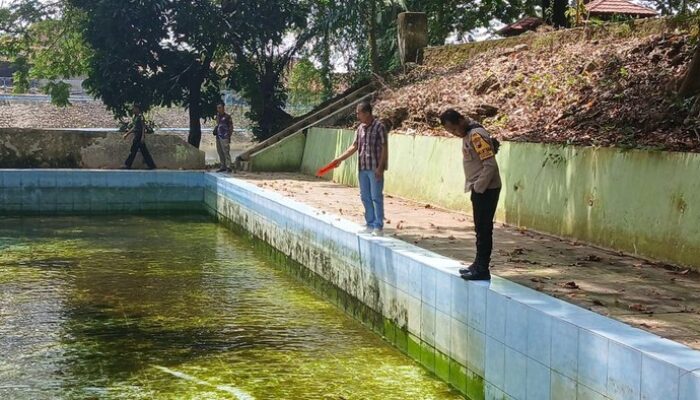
x=484 y=210
x=137 y=145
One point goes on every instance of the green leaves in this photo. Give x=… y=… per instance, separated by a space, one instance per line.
x=155 y=53
x=267 y=37
x=59 y=92
x=305 y=82
x=43 y=43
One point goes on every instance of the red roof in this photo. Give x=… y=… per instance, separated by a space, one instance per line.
x=607 y=7
x=520 y=26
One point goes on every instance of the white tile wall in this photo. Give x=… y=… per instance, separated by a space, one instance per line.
x=515 y=373
x=525 y=345
x=495 y=364
x=593 y=361
x=659 y=379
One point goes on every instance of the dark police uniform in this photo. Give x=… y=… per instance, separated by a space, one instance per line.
x=484 y=182
x=139 y=130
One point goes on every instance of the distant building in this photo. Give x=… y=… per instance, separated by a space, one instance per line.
x=609 y=9
x=521 y=26
x=6 y=69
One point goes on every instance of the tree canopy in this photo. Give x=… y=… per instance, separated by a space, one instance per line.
x=266 y=38
x=184 y=52
x=155 y=52
x=41 y=40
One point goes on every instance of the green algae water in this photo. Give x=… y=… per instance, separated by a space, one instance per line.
x=176 y=308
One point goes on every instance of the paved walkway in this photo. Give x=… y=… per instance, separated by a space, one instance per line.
x=656 y=297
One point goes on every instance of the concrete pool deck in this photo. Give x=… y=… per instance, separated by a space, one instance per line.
x=656 y=297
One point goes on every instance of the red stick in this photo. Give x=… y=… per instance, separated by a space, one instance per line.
x=326 y=169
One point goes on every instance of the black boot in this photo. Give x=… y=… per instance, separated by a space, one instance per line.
x=469 y=270
x=479 y=272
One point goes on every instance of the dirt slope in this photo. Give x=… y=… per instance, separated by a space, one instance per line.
x=619 y=91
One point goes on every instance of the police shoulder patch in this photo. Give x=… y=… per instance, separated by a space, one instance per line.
x=482 y=147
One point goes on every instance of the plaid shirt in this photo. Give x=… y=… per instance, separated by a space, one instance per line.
x=370 y=139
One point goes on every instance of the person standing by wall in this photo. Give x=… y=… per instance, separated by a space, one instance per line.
x=223 y=132
x=373 y=154
x=484 y=182
x=138 y=129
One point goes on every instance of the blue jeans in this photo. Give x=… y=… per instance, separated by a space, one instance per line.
x=371 y=193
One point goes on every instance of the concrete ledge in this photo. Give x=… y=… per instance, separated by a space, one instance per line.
x=45 y=148
x=497 y=340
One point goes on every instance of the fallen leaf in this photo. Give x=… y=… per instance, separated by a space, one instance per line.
x=517 y=252
x=639 y=308
x=571 y=285
x=684 y=272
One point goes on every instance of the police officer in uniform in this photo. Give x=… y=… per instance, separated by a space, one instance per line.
x=138 y=128
x=484 y=182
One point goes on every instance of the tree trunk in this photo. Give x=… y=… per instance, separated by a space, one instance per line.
x=691 y=82
x=326 y=67
x=554 y=13
x=578 y=12
x=547 y=12
x=195 y=108
x=442 y=29
x=372 y=36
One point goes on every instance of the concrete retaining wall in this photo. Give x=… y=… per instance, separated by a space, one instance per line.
x=490 y=341
x=283 y=156
x=641 y=202
x=41 y=148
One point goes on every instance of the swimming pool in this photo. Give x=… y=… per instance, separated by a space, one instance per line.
x=159 y=307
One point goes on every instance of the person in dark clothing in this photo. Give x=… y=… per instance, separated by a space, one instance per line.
x=484 y=182
x=223 y=131
x=138 y=128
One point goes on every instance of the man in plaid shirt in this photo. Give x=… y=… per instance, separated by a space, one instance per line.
x=372 y=146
